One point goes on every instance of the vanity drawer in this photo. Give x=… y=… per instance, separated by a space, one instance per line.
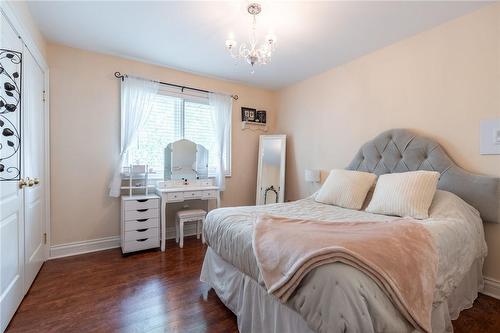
x=140 y=244
x=193 y=195
x=142 y=223
x=175 y=197
x=141 y=204
x=145 y=233
x=212 y=194
x=141 y=214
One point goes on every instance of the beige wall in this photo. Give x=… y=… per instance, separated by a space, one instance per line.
x=84 y=106
x=440 y=83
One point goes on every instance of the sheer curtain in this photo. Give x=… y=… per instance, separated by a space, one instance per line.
x=221 y=119
x=137 y=97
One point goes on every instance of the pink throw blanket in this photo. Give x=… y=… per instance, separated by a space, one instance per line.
x=399 y=256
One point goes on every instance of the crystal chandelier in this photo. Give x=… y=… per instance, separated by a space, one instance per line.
x=251 y=51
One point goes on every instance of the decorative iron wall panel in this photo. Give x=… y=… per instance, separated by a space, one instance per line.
x=10 y=114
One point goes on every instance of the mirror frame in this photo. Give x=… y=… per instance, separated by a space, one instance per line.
x=167 y=168
x=262 y=139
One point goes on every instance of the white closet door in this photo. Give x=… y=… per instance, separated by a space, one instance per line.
x=34 y=168
x=11 y=208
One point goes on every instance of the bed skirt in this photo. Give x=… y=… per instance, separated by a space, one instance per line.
x=257 y=311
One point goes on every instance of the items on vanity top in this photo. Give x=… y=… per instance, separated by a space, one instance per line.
x=140 y=222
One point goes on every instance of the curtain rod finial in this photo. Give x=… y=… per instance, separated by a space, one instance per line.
x=119 y=75
x=235 y=97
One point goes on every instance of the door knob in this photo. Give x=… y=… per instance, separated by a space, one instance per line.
x=30 y=182
x=22 y=183
x=36 y=181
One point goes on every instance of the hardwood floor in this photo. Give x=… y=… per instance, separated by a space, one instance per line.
x=151 y=292
x=106 y=292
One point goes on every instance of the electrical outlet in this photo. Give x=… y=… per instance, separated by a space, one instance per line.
x=490 y=136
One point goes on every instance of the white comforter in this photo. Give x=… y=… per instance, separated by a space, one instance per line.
x=455 y=226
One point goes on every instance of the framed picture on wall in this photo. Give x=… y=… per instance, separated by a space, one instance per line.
x=248 y=114
x=260 y=116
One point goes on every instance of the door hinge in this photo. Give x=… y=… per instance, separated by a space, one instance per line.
x=43 y=96
x=44 y=238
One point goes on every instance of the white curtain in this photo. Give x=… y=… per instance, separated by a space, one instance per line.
x=221 y=119
x=137 y=97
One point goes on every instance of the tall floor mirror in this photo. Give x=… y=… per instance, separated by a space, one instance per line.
x=271 y=169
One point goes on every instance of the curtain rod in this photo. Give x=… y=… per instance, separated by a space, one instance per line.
x=121 y=76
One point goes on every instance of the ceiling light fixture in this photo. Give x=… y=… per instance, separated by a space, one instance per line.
x=251 y=52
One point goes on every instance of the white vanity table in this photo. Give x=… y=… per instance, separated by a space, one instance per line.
x=171 y=191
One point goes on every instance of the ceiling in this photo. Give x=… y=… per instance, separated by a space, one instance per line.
x=312 y=36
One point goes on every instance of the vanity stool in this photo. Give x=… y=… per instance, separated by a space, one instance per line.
x=190 y=215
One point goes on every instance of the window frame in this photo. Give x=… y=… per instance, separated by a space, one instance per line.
x=200 y=98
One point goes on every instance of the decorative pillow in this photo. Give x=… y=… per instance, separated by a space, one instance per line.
x=368 y=198
x=346 y=188
x=404 y=194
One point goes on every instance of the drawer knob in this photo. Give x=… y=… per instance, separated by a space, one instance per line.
x=141 y=230
x=142 y=220
x=142 y=200
x=142 y=210
x=142 y=239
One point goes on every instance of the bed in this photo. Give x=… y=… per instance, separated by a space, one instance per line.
x=337 y=297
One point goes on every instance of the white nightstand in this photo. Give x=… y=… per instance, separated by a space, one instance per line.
x=140 y=222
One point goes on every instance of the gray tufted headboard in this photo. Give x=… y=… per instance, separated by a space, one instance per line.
x=400 y=150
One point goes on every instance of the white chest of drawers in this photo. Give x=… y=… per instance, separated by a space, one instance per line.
x=140 y=222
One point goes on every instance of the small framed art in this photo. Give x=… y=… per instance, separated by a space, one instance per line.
x=248 y=114
x=260 y=116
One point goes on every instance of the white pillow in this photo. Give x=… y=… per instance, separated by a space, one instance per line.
x=346 y=188
x=404 y=194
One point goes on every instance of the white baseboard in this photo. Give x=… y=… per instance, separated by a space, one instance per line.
x=93 y=245
x=491 y=287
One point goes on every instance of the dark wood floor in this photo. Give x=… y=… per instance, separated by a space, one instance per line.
x=151 y=292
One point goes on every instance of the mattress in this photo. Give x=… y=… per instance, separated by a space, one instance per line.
x=337 y=294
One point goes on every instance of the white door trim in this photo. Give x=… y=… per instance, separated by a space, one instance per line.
x=30 y=43
x=24 y=33
x=46 y=182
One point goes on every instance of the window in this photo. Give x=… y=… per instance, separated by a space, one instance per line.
x=175 y=117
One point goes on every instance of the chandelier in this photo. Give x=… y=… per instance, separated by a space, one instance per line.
x=252 y=52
